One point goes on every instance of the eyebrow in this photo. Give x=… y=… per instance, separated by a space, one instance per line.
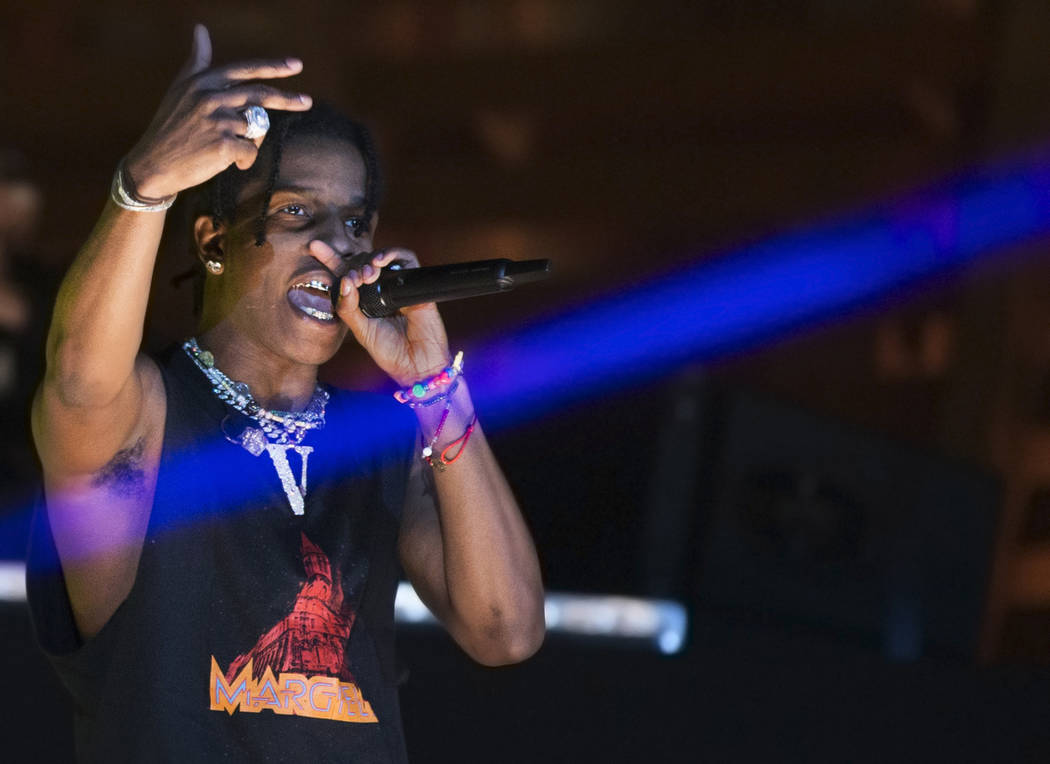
x=355 y=201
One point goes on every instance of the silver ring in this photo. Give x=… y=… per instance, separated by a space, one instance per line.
x=258 y=122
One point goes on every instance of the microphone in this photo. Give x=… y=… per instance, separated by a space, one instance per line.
x=401 y=287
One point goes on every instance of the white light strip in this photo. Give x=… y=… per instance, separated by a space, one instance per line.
x=12 y=582
x=661 y=622
x=409 y=608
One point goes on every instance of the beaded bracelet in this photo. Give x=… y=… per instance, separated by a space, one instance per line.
x=428 y=449
x=437 y=398
x=412 y=395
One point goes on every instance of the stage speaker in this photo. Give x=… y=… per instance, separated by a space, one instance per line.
x=803 y=521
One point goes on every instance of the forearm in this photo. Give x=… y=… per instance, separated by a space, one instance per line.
x=471 y=557
x=492 y=583
x=96 y=329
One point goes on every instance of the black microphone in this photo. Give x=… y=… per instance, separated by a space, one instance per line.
x=401 y=287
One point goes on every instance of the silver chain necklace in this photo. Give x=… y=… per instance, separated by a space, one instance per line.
x=278 y=431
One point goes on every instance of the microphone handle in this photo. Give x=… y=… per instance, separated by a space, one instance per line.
x=401 y=288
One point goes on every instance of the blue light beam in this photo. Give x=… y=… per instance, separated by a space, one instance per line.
x=759 y=292
x=699 y=312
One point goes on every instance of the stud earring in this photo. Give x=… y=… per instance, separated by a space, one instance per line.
x=215 y=267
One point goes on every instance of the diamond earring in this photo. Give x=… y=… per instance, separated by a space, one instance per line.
x=215 y=267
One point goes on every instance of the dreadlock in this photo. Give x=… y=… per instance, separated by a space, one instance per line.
x=218 y=196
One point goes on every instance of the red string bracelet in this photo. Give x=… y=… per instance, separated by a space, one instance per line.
x=444 y=460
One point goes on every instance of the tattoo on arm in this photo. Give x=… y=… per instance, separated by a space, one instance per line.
x=123 y=475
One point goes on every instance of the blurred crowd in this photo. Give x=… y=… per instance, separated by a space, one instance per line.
x=26 y=294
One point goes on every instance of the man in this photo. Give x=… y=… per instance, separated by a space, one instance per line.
x=228 y=531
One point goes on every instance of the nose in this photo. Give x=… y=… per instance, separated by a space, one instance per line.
x=334 y=233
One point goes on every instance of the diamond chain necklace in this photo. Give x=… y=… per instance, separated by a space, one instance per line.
x=278 y=431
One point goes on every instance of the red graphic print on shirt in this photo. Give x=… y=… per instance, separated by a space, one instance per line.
x=299 y=666
x=312 y=638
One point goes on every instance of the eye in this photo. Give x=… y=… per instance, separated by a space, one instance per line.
x=357 y=225
x=294 y=209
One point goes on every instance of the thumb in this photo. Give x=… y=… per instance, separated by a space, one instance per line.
x=200 y=53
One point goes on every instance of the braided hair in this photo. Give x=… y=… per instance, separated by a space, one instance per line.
x=218 y=196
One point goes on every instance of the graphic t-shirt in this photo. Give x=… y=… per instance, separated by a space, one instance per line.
x=251 y=633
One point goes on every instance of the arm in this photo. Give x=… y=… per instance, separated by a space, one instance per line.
x=98 y=416
x=98 y=407
x=471 y=557
x=469 y=554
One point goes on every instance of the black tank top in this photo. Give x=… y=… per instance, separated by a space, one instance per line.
x=250 y=634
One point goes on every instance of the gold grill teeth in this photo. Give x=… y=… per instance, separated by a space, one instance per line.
x=313 y=285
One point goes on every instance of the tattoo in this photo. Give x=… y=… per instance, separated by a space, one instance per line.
x=123 y=475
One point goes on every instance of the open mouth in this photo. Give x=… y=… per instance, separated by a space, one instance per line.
x=314 y=298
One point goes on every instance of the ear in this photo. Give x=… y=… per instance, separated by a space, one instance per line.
x=209 y=237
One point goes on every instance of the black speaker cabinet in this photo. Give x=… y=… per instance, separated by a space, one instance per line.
x=807 y=522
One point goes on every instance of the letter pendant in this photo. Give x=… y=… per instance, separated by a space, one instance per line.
x=296 y=493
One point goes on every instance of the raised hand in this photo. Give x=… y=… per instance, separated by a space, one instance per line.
x=198 y=130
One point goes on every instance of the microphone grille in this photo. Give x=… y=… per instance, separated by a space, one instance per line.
x=370 y=300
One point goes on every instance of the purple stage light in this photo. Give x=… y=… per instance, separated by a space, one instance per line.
x=759 y=292
x=719 y=306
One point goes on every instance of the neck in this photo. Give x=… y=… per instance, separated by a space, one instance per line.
x=276 y=382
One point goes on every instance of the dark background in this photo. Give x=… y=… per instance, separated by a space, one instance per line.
x=854 y=513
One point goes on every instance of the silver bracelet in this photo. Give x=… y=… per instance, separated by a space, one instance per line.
x=123 y=198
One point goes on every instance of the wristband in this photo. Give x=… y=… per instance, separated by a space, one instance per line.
x=124 y=198
x=413 y=395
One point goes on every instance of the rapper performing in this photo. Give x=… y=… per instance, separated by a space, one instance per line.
x=213 y=568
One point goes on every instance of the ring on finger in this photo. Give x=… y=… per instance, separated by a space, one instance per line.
x=258 y=122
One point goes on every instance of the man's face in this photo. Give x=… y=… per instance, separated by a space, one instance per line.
x=277 y=296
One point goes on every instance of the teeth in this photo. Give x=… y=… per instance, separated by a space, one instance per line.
x=313 y=284
x=323 y=315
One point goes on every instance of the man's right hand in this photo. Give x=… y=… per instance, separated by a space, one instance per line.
x=198 y=131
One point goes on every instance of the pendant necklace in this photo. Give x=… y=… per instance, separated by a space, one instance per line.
x=277 y=431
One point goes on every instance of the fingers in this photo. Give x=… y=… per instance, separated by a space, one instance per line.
x=362 y=267
x=200 y=53
x=243 y=153
x=406 y=258
x=228 y=87
x=222 y=77
x=227 y=107
x=262 y=95
x=202 y=46
x=357 y=270
x=346 y=306
x=261 y=69
x=369 y=270
x=327 y=256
